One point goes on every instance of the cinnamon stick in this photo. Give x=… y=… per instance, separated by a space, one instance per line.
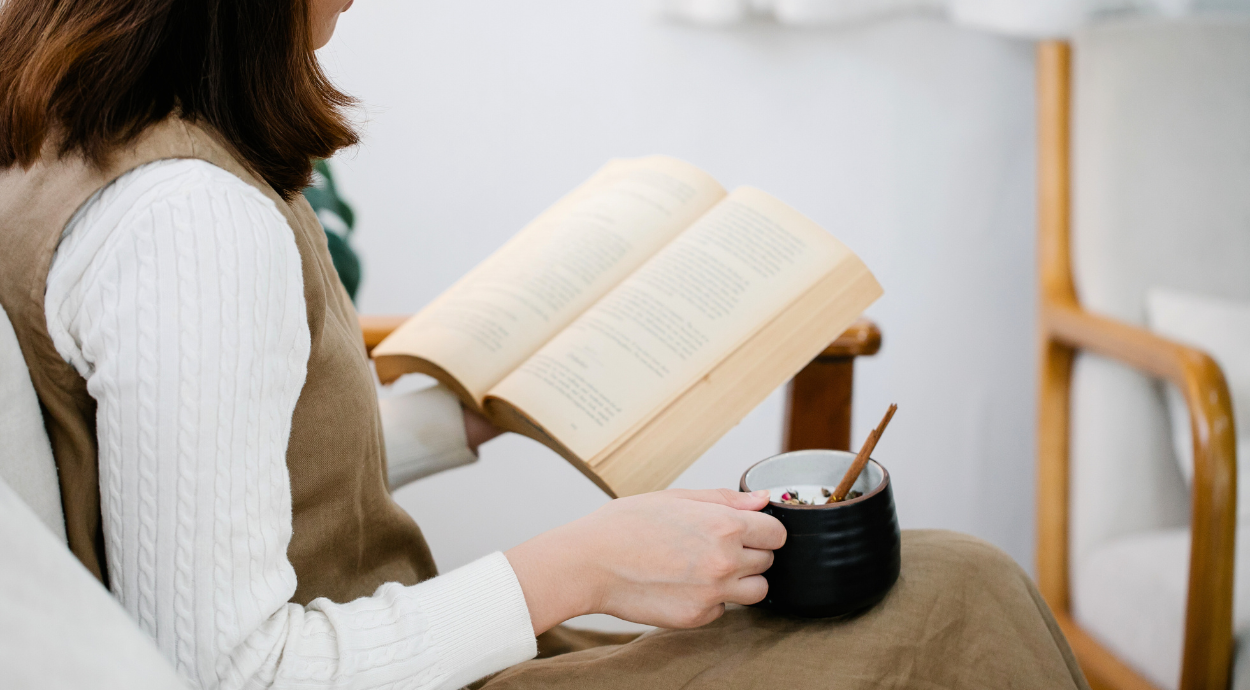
x=861 y=460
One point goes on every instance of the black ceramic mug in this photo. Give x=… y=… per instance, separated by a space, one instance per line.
x=838 y=558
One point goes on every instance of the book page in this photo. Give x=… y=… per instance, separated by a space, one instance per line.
x=668 y=324
x=561 y=263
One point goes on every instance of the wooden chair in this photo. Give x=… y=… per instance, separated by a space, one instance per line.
x=1067 y=328
x=818 y=400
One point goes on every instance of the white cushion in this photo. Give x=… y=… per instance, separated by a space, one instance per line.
x=25 y=454
x=1221 y=328
x=1130 y=594
x=59 y=629
x=1123 y=478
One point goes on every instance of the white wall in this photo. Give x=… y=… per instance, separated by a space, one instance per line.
x=912 y=141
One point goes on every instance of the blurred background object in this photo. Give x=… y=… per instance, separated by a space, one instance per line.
x=1032 y=18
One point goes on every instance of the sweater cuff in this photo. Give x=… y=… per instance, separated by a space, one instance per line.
x=478 y=620
x=424 y=433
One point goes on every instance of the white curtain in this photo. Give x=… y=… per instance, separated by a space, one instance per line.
x=1032 y=18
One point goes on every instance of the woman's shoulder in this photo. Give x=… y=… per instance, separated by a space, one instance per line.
x=163 y=224
x=182 y=190
x=153 y=207
x=172 y=179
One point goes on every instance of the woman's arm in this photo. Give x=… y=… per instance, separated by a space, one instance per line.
x=670 y=558
x=180 y=301
x=179 y=298
x=426 y=432
x=478 y=429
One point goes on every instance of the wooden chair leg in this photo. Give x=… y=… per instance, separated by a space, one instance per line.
x=818 y=405
x=818 y=400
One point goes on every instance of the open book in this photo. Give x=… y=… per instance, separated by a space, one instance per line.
x=637 y=320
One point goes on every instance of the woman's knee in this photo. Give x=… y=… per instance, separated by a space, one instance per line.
x=957 y=556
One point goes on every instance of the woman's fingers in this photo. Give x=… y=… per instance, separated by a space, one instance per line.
x=762 y=531
x=755 y=561
x=734 y=499
x=758 y=531
x=672 y=558
x=748 y=590
x=710 y=615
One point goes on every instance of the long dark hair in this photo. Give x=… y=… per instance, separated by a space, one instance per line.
x=96 y=73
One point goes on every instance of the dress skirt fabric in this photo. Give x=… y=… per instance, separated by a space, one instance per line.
x=962 y=615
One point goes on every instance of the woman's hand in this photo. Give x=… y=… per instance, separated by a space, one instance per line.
x=671 y=558
x=477 y=429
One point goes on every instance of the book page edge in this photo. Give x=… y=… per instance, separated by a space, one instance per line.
x=508 y=417
x=391 y=366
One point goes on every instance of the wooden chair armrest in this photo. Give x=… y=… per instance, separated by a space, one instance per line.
x=862 y=338
x=376 y=328
x=1208 y=620
x=818 y=403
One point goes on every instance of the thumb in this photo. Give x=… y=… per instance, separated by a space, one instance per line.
x=734 y=499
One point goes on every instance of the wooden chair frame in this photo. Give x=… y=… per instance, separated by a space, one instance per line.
x=818 y=400
x=1066 y=328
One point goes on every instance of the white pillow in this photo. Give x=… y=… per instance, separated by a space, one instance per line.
x=59 y=628
x=25 y=456
x=1221 y=328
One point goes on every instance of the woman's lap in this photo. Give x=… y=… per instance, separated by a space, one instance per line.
x=963 y=615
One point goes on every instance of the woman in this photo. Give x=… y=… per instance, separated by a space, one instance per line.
x=214 y=422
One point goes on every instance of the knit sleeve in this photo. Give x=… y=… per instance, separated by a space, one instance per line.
x=177 y=293
x=424 y=431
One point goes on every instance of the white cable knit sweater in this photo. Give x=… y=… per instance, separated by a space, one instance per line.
x=177 y=293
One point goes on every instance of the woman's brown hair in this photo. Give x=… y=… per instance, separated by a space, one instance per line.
x=96 y=73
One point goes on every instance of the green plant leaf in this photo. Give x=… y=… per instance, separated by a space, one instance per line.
x=324 y=198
